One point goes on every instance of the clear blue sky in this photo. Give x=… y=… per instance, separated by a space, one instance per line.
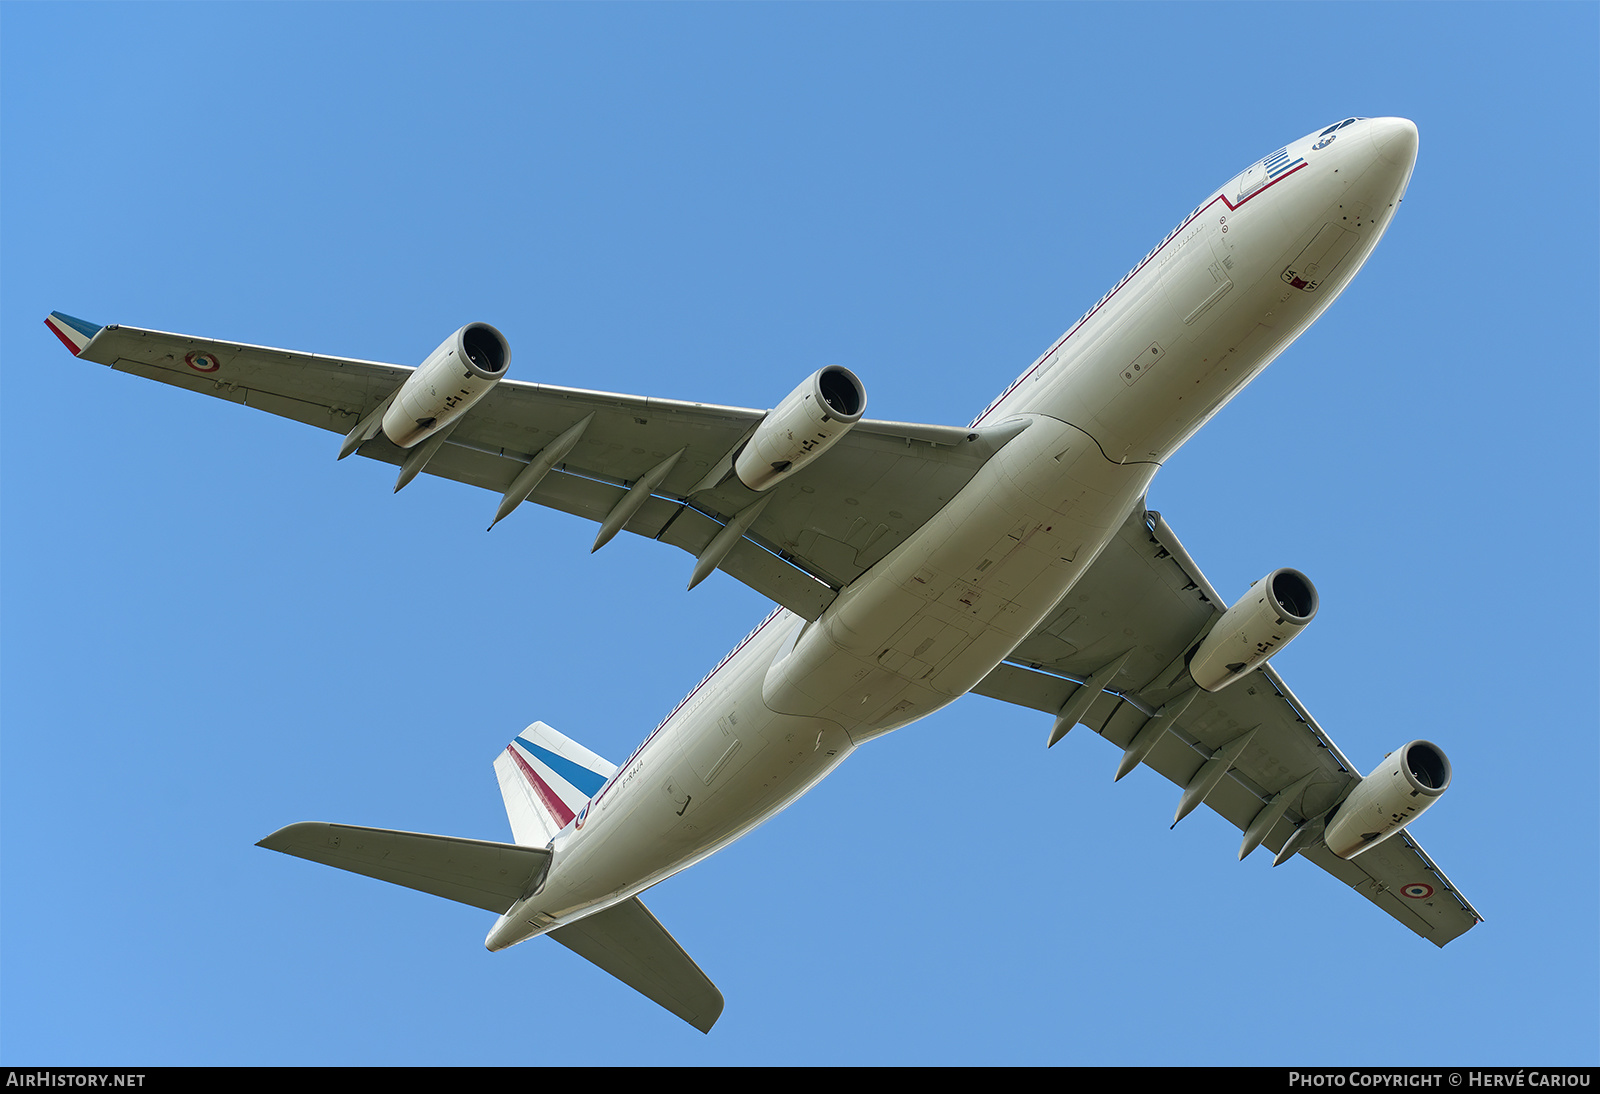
x=212 y=629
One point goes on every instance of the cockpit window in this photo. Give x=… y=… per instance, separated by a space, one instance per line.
x=1337 y=125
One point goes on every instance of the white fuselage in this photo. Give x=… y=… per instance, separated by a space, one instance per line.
x=1179 y=335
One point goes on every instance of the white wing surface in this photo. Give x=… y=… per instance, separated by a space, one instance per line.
x=1145 y=584
x=481 y=873
x=818 y=531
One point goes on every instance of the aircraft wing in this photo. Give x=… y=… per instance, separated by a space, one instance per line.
x=1144 y=594
x=486 y=875
x=820 y=528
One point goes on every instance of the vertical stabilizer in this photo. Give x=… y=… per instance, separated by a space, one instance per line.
x=546 y=779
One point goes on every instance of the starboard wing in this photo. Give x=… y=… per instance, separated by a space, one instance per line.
x=1263 y=740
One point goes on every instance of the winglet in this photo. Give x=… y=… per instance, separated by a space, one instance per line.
x=74 y=333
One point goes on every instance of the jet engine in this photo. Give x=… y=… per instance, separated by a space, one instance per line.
x=1396 y=793
x=445 y=386
x=1264 y=620
x=805 y=425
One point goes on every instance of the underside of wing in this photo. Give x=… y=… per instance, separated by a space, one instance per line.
x=486 y=875
x=658 y=468
x=629 y=943
x=1250 y=751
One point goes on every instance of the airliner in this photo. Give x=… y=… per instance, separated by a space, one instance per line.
x=909 y=565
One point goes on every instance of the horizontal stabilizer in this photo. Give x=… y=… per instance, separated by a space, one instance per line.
x=629 y=943
x=491 y=876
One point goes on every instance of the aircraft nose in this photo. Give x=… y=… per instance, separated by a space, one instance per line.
x=1395 y=140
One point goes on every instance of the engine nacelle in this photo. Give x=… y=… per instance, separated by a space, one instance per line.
x=445 y=386
x=1265 y=619
x=1396 y=793
x=802 y=427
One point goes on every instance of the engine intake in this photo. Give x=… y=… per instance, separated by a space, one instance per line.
x=1397 y=792
x=446 y=385
x=1264 y=620
x=808 y=422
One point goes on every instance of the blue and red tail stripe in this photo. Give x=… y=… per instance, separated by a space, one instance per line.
x=548 y=798
x=585 y=780
x=567 y=786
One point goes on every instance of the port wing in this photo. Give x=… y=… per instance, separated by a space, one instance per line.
x=817 y=531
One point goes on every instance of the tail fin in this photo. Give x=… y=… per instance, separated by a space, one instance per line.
x=546 y=779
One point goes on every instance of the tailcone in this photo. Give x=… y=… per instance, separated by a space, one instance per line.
x=508 y=930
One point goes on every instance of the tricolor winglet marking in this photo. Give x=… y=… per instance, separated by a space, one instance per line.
x=74 y=333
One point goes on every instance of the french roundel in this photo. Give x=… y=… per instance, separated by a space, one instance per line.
x=202 y=362
x=1418 y=891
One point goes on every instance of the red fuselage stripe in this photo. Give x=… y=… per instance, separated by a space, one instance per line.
x=1176 y=232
